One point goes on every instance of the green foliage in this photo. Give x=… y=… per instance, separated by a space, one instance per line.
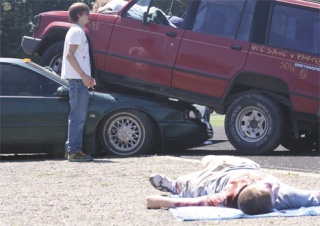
x=16 y=18
x=217 y=120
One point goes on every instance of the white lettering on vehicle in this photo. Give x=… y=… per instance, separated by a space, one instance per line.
x=307 y=67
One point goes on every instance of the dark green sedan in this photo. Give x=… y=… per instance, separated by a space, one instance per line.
x=35 y=107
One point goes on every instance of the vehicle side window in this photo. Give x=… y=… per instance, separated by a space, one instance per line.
x=167 y=13
x=219 y=17
x=16 y=81
x=137 y=10
x=246 y=22
x=6 y=88
x=295 y=28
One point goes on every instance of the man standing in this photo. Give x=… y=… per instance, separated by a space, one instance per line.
x=77 y=70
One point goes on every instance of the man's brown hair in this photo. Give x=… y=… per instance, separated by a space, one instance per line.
x=76 y=9
x=253 y=201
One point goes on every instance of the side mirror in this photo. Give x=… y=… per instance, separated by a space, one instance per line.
x=145 y=14
x=145 y=18
x=63 y=92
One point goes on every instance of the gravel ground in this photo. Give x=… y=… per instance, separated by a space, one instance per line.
x=107 y=192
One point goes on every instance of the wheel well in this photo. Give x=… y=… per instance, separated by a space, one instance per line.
x=157 y=132
x=273 y=87
x=276 y=88
x=262 y=82
x=53 y=36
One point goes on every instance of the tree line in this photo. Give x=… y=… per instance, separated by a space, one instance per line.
x=16 y=18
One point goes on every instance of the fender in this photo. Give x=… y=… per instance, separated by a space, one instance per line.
x=53 y=34
x=52 y=26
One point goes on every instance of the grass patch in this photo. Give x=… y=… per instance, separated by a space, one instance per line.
x=293 y=174
x=217 y=120
x=50 y=174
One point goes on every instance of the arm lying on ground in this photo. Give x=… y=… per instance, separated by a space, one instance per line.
x=156 y=202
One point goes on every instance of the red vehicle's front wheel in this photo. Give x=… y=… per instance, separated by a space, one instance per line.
x=254 y=123
x=52 y=57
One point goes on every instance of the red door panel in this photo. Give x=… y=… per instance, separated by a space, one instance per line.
x=147 y=54
x=211 y=59
x=299 y=71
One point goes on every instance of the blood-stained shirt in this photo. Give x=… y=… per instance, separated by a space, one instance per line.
x=76 y=36
x=223 y=187
x=228 y=197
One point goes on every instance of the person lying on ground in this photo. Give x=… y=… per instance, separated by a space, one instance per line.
x=229 y=181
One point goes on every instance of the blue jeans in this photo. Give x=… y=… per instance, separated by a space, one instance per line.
x=79 y=99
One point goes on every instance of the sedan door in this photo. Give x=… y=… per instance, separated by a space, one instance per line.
x=31 y=112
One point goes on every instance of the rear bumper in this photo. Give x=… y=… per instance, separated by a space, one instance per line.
x=30 y=45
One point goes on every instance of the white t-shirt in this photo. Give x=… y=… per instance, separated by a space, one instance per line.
x=76 y=36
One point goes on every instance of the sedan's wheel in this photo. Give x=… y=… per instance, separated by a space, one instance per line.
x=126 y=133
x=254 y=124
x=306 y=142
x=52 y=57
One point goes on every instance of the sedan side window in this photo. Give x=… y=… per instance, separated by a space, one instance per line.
x=219 y=17
x=246 y=23
x=6 y=81
x=17 y=81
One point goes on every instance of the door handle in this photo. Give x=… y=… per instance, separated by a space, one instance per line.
x=171 y=34
x=236 y=47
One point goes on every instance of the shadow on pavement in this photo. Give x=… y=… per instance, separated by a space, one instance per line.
x=211 y=147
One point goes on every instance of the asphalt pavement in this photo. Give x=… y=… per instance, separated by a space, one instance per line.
x=280 y=158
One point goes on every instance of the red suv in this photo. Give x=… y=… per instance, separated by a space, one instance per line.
x=257 y=61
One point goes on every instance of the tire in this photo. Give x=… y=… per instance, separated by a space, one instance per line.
x=254 y=124
x=308 y=142
x=52 y=57
x=126 y=133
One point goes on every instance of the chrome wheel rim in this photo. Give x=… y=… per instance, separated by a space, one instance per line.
x=252 y=124
x=56 y=63
x=125 y=134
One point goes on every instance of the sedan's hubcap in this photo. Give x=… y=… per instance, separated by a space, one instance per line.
x=125 y=133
